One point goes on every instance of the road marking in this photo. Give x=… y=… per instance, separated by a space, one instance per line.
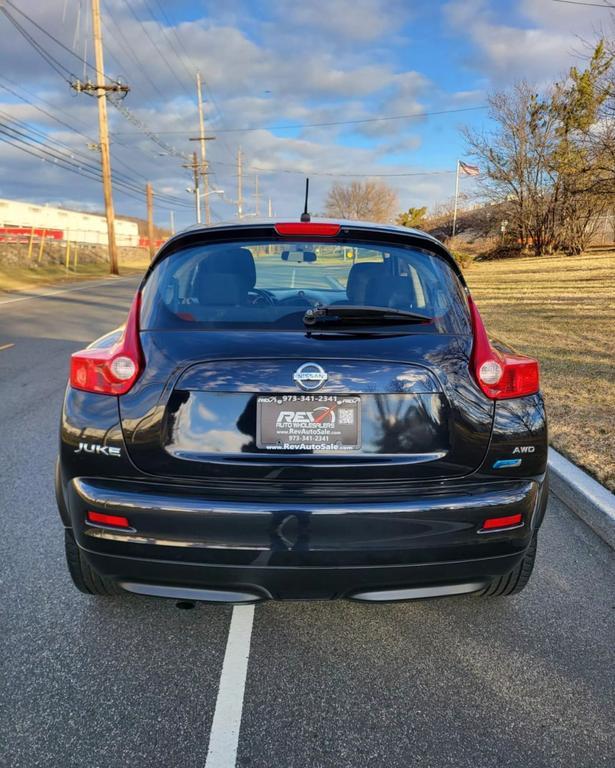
x=6 y=346
x=224 y=735
x=85 y=285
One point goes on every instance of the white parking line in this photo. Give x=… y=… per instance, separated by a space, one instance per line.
x=224 y=735
x=86 y=284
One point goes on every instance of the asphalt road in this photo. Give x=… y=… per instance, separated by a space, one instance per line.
x=106 y=683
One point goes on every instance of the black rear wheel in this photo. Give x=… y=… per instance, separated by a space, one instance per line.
x=83 y=575
x=513 y=582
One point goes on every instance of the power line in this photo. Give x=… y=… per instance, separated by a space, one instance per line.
x=578 y=2
x=43 y=151
x=170 y=29
x=190 y=69
x=41 y=110
x=54 y=39
x=71 y=78
x=304 y=172
x=126 y=48
x=56 y=159
x=144 y=129
x=414 y=116
x=116 y=143
x=156 y=46
x=56 y=65
x=73 y=158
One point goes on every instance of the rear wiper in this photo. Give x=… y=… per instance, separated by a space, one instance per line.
x=360 y=314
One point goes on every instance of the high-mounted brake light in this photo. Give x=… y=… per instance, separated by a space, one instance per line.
x=500 y=376
x=497 y=523
x=111 y=370
x=114 y=521
x=315 y=228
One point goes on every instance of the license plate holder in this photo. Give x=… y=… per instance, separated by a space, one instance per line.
x=313 y=423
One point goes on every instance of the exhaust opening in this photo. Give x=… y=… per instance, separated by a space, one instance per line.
x=185 y=605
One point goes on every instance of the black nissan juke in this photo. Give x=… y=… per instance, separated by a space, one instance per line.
x=302 y=410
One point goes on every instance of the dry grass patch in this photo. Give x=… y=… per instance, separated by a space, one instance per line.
x=22 y=278
x=562 y=311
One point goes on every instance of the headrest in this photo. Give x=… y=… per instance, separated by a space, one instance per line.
x=221 y=289
x=391 y=291
x=239 y=261
x=358 y=280
x=236 y=264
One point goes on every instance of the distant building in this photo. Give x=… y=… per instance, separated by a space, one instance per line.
x=75 y=226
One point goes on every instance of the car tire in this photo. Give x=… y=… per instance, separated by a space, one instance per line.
x=83 y=575
x=513 y=582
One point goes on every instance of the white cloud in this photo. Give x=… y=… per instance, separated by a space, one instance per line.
x=540 y=47
x=317 y=61
x=355 y=20
x=314 y=62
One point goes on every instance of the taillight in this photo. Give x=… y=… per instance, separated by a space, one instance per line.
x=497 y=523
x=113 y=521
x=500 y=376
x=316 y=228
x=111 y=370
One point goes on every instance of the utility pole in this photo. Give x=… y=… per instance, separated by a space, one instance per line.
x=194 y=166
x=239 y=186
x=150 y=219
x=172 y=215
x=257 y=206
x=100 y=88
x=269 y=209
x=203 y=143
x=202 y=138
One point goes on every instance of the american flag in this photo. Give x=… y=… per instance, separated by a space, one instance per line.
x=469 y=170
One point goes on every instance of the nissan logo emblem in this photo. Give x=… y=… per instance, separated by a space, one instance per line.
x=310 y=376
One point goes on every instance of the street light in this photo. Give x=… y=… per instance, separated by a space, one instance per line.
x=193 y=191
x=198 y=196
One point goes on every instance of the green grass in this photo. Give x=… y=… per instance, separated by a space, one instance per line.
x=562 y=311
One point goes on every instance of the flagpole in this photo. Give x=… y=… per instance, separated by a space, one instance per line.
x=456 y=198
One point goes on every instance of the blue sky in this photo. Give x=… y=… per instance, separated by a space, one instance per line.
x=274 y=63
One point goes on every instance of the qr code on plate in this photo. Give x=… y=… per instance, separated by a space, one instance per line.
x=345 y=416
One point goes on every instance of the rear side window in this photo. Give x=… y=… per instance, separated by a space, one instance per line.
x=270 y=285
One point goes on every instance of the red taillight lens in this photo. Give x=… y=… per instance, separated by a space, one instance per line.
x=115 y=521
x=500 y=376
x=307 y=228
x=510 y=521
x=112 y=370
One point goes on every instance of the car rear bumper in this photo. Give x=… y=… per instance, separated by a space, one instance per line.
x=180 y=541
x=242 y=584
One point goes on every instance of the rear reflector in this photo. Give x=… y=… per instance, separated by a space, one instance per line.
x=509 y=521
x=307 y=228
x=115 y=521
x=500 y=376
x=111 y=370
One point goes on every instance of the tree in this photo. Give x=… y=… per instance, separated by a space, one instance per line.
x=364 y=200
x=413 y=217
x=514 y=160
x=542 y=159
x=578 y=160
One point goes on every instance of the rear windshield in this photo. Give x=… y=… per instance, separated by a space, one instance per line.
x=270 y=285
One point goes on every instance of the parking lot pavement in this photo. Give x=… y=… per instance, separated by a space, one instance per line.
x=107 y=683
x=521 y=681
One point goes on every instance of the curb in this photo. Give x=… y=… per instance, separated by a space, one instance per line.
x=586 y=497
